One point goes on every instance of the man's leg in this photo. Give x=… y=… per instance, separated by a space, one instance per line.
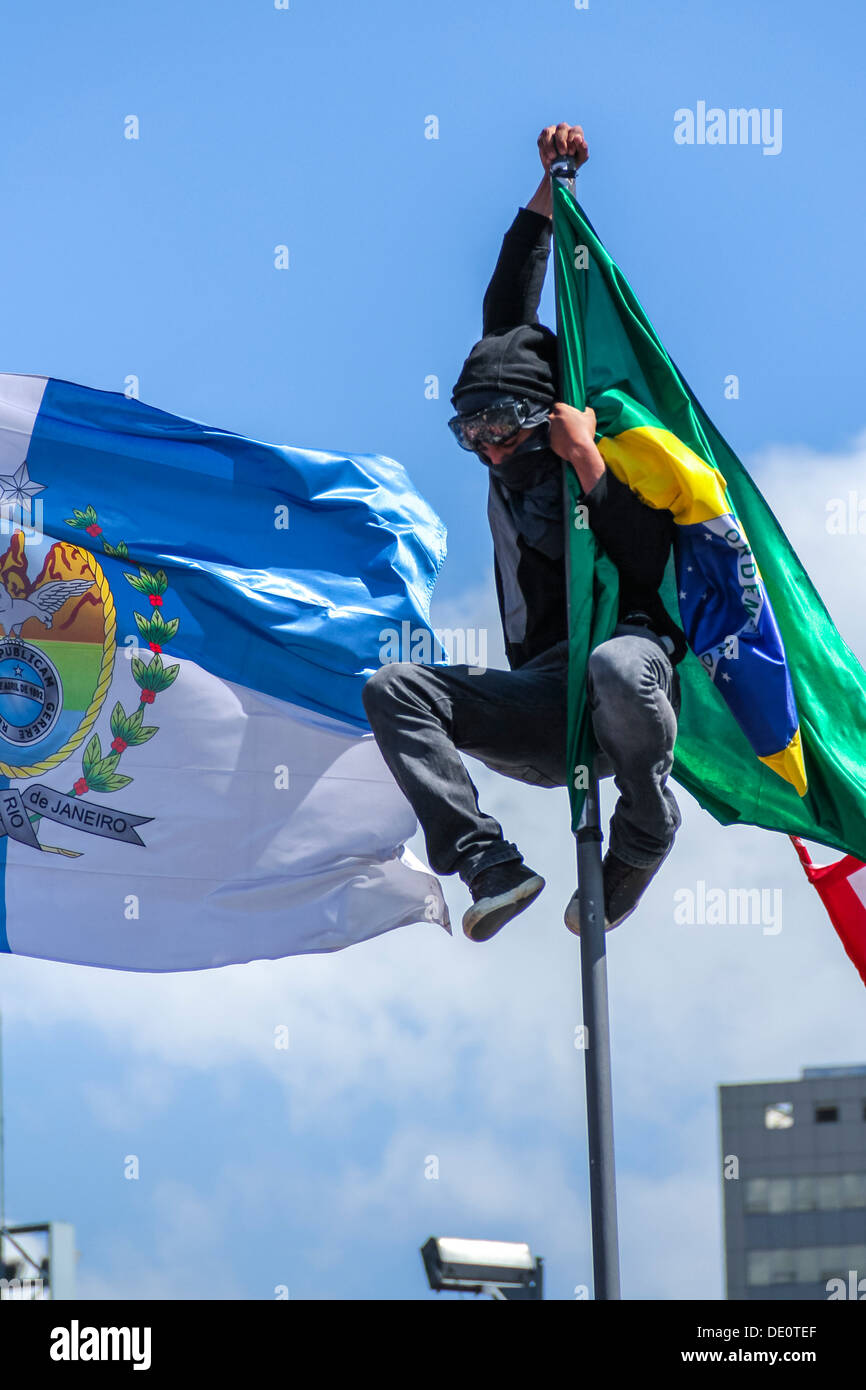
x=514 y=721
x=634 y=701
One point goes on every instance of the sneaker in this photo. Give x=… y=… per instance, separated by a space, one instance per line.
x=498 y=894
x=624 y=886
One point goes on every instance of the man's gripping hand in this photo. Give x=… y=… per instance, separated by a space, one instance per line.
x=555 y=140
x=572 y=437
x=562 y=139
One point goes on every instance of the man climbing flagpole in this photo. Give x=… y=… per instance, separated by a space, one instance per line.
x=512 y=417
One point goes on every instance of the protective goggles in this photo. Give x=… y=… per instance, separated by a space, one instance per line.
x=497 y=425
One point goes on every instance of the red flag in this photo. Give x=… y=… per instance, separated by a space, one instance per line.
x=842 y=889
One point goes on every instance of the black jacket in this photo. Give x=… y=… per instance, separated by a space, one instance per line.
x=530 y=584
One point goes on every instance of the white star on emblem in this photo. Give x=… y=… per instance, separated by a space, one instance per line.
x=18 y=671
x=17 y=488
x=683 y=593
x=690 y=568
x=725 y=676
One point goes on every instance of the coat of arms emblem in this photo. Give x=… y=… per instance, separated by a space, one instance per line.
x=58 y=647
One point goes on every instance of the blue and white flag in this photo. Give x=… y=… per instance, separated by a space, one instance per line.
x=187 y=619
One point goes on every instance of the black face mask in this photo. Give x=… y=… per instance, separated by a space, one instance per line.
x=530 y=465
x=522 y=474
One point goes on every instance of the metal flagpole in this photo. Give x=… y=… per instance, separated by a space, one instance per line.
x=593 y=969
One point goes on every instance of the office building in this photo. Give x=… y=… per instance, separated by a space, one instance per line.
x=794 y=1185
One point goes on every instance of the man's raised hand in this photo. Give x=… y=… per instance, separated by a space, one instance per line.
x=562 y=139
x=555 y=140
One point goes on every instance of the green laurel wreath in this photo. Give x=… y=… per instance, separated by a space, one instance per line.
x=99 y=771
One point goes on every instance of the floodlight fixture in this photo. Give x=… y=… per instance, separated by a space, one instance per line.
x=500 y=1268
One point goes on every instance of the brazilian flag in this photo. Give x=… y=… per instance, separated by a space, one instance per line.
x=772 y=728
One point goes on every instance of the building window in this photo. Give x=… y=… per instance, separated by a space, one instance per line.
x=826 y=1114
x=781 y=1195
x=811 y=1192
x=758 y=1195
x=812 y=1265
x=853 y=1190
x=805 y=1194
x=780 y=1115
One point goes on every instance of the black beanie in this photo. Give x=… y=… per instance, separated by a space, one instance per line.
x=521 y=361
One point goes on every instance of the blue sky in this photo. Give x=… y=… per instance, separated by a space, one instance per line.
x=155 y=257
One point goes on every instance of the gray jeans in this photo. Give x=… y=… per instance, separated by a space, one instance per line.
x=515 y=722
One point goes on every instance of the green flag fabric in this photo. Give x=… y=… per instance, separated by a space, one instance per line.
x=772 y=728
